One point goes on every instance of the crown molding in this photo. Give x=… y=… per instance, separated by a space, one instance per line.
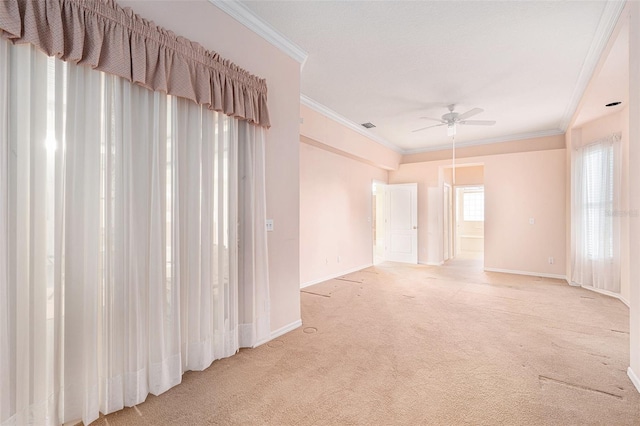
x=508 y=138
x=608 y=20
x=246 y=17
x=329 y=113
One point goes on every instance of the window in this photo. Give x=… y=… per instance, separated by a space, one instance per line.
x=118 y=212
x=597 y=200
x=595 y=213
x=473 y=204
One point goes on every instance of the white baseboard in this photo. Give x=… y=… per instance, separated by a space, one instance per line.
x=332 y=276
x=531 y=274
x=605 y=292
x=634 y=379
x=431 y=263
x=287 y=328
x=279 y=332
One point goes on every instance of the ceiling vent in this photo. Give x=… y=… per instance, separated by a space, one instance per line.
x=368 y=125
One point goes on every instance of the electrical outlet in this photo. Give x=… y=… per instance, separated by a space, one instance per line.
x=338 y=259
x=551 y=260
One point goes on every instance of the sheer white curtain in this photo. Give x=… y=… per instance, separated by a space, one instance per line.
x=121 y=263
x=596 y=179
x=253 y=266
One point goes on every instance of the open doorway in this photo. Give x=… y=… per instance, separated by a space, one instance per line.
x=463 y=215
x=469 y=222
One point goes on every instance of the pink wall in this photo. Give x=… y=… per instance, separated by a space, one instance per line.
x=510 y=147
x=335 y=213
x=337 y=168
x=634 y=189
x=518 y=186
x=465 y=175
x=338 y=138
x=628 y=124
x=203 y=22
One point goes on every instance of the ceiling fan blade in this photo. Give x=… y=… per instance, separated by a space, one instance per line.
x=428 y=127
x=439 y=120
x=478 y=122
x=470 y=113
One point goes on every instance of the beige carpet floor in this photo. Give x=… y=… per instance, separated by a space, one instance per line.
x=408 y=345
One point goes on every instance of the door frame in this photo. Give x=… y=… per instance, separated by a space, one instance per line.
x=378 y=216
x=448 y=248
x=439 y=230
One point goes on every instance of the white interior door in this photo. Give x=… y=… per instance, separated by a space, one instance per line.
x=401 y=245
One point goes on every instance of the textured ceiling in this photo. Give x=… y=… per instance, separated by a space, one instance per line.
x=392 y=62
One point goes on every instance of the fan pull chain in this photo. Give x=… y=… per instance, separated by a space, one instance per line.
x=453 y=158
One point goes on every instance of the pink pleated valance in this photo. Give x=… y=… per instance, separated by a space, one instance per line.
x=109 y=38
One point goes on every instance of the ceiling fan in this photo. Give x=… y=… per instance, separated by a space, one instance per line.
x=452 y=118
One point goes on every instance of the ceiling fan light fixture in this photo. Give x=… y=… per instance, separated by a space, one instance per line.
x=452 y=118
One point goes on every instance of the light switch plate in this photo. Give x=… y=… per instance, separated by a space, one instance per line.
x=269 y=225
